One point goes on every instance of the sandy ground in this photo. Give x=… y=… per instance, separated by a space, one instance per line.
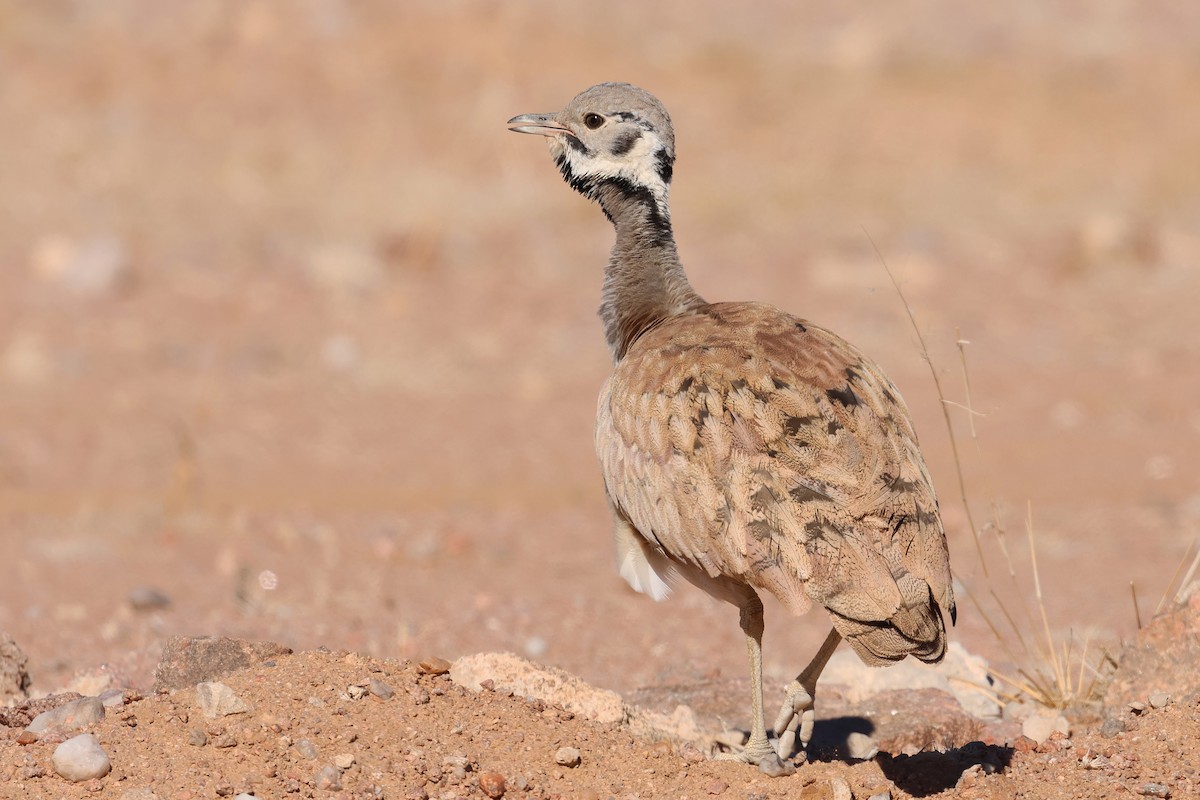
x=293 y=332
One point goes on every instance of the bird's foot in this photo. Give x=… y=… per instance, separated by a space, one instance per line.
x=795 y=718
x=762 y=754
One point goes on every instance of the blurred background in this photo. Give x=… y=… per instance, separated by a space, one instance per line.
x=298 y=342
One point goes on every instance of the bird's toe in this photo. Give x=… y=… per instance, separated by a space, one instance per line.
x=795 y=720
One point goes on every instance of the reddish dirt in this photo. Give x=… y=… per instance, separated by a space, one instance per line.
x=294 y=332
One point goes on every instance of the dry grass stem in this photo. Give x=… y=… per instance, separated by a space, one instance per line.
x=1054 y=674
x=962 y=484
x=1137 y=612
x=962 y=360
x=1175 y=587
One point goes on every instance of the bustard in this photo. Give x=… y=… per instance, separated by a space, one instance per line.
x=744 y=449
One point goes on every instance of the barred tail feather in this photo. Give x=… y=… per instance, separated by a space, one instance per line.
x=912 y=631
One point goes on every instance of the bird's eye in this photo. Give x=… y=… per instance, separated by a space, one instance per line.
x=593 y=120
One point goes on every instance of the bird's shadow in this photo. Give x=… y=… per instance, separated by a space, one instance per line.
x=830 y=740
x=926 y=773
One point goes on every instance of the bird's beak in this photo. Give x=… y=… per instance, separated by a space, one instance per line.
x=542 y=124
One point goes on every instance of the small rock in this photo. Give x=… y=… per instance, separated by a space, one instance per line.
x=147 y=598
x=457 y=764
x=68 y=717
x=306 y=748
x=328 y=778
x=884 y=795
x=381 y=689
x=245 y=796
x=1112 y=727
x=510 y=673
x=434 y=666
x=197 y=737
x=969 y=777
x=343 y=760
x=1159 y=700
x=356 y=692
x=112 y=698
x=420 y=695
x=1024 y=744
x=1155 y=790
x=841 y=789
x=860 y=746
x=1039 y=726
x=716 y=786
x=492 y=784
x=774 y=767
x=961 y=674
x=224 y=740
x=81 y=758
x=832 y=789
x=1137 y=707
x=568 y=757
x=690 y=753
x=218 y=700
x=26 y=737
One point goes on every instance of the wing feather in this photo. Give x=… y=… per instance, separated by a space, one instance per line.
x=746 y=443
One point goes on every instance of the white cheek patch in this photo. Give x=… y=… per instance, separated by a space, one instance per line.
x=638 y=166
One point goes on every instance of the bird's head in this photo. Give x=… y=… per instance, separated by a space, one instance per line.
x=613 y=133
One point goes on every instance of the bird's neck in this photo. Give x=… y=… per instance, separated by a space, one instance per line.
x=644 y=282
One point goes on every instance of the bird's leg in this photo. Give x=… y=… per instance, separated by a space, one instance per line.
x=797 y=712
x=758 y=750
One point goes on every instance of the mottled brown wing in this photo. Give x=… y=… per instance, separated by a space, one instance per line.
x=748 y=443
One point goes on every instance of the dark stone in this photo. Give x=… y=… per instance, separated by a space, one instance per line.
x=14 y=670
x=21 y=715
x=188 y=660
